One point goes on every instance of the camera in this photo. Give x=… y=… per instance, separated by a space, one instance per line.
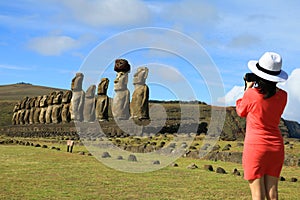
x=250 y=77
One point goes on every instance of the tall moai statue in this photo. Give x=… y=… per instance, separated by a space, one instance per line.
x=89 y=105
x=139 y=106
x=66 y=100
x=27 y=110
x=48 y=117
x=21 y=112
x=14 y=119
x=37 y=111
x=121 y=100
x=57 y=108
x=32 y=110
x=78 y=95
x=43 y=106
x=102 y=101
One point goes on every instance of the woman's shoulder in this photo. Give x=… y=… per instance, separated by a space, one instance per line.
x=252 y=94
x=252 y=91
x=281 y=91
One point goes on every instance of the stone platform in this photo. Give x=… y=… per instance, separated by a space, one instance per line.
x=100 y=129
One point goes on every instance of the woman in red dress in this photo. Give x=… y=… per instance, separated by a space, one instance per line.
x=262 y=105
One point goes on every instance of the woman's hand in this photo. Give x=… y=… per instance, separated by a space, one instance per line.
x=249 y=85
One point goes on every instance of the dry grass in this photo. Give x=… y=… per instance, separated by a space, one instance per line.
x=36 y=173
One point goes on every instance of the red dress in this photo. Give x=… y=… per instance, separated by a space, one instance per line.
x=263 y=147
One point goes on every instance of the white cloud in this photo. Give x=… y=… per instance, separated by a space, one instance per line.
x=164 y=73
x=13 y=67
x=244 y=41
x=109 y=12
x=55 y=45
x=190 y=11
x=52 y=45
x=292 y=87
x=230 y=98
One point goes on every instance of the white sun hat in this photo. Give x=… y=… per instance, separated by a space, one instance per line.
x=268 y=67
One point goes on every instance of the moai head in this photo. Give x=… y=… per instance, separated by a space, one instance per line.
x=43 y=101
x=121 y=65
x=120 y=83
x=103 y=85
x=23 y=103
x=58 y=97
x=51 y=98
x=140 y=76
x=17 y=107
x=67 y=96
x=37 y=101
x=90 y=92
x=28 y=103
x=32 y=103
x=77 y=82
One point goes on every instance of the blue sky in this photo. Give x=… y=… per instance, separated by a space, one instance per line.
x=47 y=42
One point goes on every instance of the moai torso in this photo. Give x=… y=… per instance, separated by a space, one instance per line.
x=89 y=105
x=102 y=100
x=65 y=113
x=15 y=114
x=37 y=111
x=78 y=96
x=50 y=99
x=32 y=109
x=43 y=106
x=139 y=106
x=121 y=100
x=57 y=107
x=22 y=111
x=27 y=110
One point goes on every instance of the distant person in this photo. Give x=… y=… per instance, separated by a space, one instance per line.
x=70 y=144
x=262 y=105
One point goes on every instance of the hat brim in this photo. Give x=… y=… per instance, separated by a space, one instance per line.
x=283 y=76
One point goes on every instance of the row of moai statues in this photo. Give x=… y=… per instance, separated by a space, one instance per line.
x=138 y=108
x=58 y=106
x=55 y=107
x=52 y=108
x=78 y=105
x=85 y=107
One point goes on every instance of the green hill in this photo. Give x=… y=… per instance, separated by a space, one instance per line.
x=16 y=92
x=10 y=94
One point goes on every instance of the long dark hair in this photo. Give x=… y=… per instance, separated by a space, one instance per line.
x=265 y=87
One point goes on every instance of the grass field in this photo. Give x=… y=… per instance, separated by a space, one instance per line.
x=28 y=172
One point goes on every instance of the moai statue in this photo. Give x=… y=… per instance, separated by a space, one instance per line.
x=121 y=100
x=27 y=110
x=65 y=113
x=77 y=101
x=32 y=110
x=50 y=99
x=18 y=114
x=37 y=111
x=15 y=114
x=139 y=105
x=89 y=105
x=102 y=101
x=21 y=112
x=43 y=106
x=57 y=108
